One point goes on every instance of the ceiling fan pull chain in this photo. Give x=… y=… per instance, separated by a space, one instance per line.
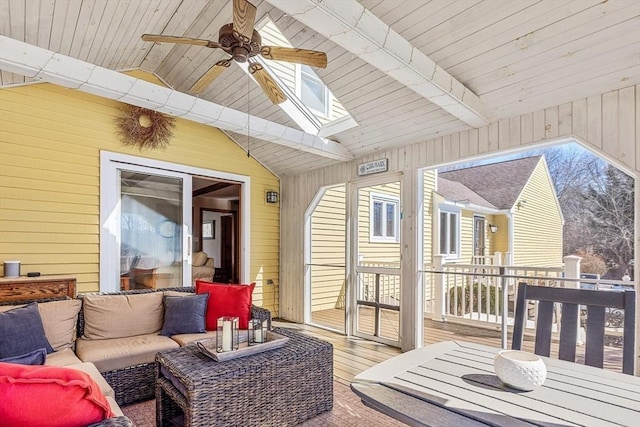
x=248 y=117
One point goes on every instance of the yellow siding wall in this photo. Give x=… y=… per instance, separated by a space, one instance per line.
x=537 y=222
x=428 y=185
x=50 y=143
x=328 y=228
x=466 y=236
x=375 y=252
x=500 y=240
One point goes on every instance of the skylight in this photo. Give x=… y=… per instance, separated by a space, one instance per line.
x=311 y=104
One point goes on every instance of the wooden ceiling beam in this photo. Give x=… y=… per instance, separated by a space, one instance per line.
x=356 y=29
x=209 y=188
x=47 y=66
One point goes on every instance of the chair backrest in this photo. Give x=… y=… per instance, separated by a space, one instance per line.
x=596 y=303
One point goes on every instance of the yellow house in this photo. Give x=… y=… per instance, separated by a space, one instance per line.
x=471 y=214
x=70 y=191
x=506 y=207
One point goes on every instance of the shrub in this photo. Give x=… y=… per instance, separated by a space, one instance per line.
x=592 y=263
x=467 y=296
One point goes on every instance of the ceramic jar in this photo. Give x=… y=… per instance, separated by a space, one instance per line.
x=519 y=369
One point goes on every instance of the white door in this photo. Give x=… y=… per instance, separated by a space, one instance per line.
x=375 y=256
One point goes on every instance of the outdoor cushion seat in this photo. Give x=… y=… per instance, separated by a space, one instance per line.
x=184 y=339
x=119 y=353
x=62 y=358
x=90 y=368
x=115 y=408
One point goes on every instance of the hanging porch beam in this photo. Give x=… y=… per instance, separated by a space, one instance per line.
x=47 y=66
x=356 y=29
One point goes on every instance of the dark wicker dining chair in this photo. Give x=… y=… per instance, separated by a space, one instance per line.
x=596 y=303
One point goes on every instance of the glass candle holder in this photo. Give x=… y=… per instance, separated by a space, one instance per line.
x=257 y=331
x=227 y=336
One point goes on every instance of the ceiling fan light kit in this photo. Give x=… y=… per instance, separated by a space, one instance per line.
x=242 y=42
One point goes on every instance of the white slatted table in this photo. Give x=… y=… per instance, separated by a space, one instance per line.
x=454 y=384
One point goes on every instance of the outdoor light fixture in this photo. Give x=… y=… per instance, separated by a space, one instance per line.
x=493 y=228
x=272 y=197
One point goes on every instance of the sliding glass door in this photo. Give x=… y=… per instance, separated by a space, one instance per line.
x=149 y=223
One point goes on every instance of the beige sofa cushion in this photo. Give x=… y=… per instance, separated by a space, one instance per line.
x=177 y=294
x=199 y=258
x=120 y=316
x=64 y=357
x=90 y=368
x=117 y=412
x=59 y=320
x=119 y=353
x=184 y=339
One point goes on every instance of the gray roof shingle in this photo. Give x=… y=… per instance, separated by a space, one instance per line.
x=458 y=192
x=499 y=184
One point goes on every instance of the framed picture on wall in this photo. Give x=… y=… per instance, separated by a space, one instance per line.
x=208 y=230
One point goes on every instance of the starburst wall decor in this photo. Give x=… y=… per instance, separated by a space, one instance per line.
x=144 y=128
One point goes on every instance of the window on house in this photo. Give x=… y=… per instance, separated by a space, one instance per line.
x=384 y=218
x=313 y=93
x=449 y=233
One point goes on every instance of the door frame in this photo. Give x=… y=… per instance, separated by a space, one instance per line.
x=109 y=245
x=308 y=243
x=234 y=273
x=352 y=253
x=482 y=233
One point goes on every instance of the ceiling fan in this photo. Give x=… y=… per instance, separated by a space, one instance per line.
x=240 y=40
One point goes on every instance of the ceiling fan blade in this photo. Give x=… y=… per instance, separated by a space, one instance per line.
x=312 y=58
x=208 y=77
x=244 y=16
x=267 y=83
x=179 y=40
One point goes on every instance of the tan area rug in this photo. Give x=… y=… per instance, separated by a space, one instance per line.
x=347 y=411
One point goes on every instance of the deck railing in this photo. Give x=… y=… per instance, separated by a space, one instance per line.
x=485 y=294
x=375 y=276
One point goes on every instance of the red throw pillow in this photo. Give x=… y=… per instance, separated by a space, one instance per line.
x=49 y=396
x=226 y=300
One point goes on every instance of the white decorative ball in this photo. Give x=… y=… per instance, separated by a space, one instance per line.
x=519 y=369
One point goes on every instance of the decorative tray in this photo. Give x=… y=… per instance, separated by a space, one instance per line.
x=208 y=347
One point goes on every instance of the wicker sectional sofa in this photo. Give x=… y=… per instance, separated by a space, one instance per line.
x=116 y=344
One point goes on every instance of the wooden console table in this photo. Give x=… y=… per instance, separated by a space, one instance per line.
x=28 y=288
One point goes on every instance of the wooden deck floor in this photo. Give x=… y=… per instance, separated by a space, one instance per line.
x=353 y=355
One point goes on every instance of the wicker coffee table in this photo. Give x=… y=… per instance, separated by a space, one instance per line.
x=282 y=387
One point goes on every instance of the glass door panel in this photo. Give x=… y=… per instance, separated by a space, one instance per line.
x=377 y=269
x=151 y=239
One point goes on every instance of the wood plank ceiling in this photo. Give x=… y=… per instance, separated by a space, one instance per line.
x=515 y=56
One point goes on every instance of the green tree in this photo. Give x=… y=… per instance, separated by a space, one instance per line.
x=609 y=214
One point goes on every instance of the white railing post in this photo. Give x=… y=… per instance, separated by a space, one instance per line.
x=439 y=288
x=572 y=271
x=497 y=258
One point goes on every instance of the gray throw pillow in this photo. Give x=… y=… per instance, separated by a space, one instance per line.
x=21 y=331
x=35 y=357
x=184 y=315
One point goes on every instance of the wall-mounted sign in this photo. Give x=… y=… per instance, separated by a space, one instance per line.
x=373 y=167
